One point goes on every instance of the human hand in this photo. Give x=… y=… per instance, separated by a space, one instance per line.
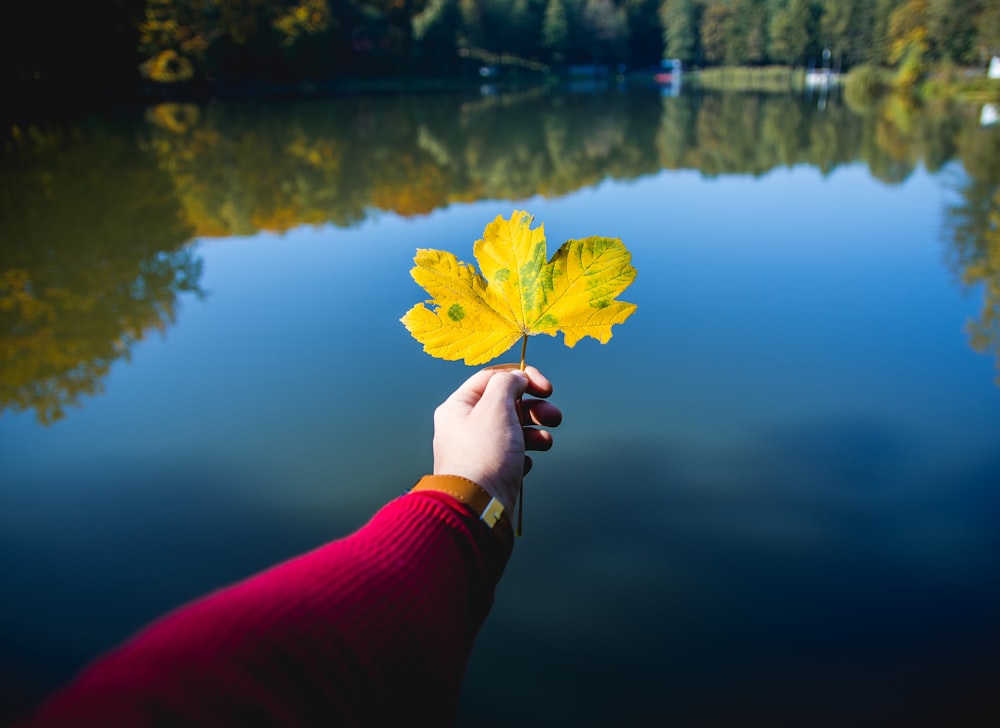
x=478 y=431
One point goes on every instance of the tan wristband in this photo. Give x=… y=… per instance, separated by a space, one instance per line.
x=487 y=508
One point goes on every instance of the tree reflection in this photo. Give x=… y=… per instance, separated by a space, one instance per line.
x=93 y=260
x=235 y=171
x=96 y=218
x=754 y=133
x=973 y=226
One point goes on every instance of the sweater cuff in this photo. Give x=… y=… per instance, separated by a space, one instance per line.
x=492 y=524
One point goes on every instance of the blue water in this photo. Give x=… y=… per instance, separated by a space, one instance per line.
x=773 y=500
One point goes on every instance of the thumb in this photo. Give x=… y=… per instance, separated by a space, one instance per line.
x=467 y=396
x=504 y=388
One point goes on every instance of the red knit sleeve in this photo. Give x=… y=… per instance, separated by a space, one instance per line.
x=374 y=627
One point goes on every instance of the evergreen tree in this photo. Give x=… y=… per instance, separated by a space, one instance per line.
x=680 y=30
x=716 y=28
x=952 y=29
x=792 y=33
x=753 y=19
x=988 y=37
x=845 y=28
x=473 y=32
x=555 y=30
x=435 y=31
x=606 y=29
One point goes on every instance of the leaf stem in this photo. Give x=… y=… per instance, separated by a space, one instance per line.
x=520 y=508
x=520 y=499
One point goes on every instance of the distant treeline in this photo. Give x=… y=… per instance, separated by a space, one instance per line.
x=109 y=48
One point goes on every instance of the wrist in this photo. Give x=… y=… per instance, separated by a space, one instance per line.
x=485 y=506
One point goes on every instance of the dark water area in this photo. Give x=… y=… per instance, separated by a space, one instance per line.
x=773 y=501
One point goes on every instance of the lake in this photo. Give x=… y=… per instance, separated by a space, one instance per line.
x=774 y=498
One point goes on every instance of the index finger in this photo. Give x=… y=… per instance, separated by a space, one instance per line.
x=472 y=389
x=538 y=384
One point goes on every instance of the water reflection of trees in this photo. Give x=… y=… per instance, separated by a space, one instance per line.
x=95 y=217
x=236 y=171
x=93 y=259
x=754 y=134
x=973 y=225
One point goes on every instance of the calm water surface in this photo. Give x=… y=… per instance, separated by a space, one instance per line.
x=775 y=494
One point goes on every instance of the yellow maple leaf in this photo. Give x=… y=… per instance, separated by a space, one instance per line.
x=477 y=316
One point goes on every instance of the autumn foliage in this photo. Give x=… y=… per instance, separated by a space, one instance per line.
x=478 y=315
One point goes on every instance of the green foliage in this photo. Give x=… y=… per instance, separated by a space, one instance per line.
x=679 y=19
x=952 y=29
x=206 y=43
x=607 y=27
x=912 y=69
x=864 y=86
x=747 y=31
x=555 y=30
x=740 y=78
x=793 y=33
x=717 y=26
x=846 y=28
x=988 y=24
